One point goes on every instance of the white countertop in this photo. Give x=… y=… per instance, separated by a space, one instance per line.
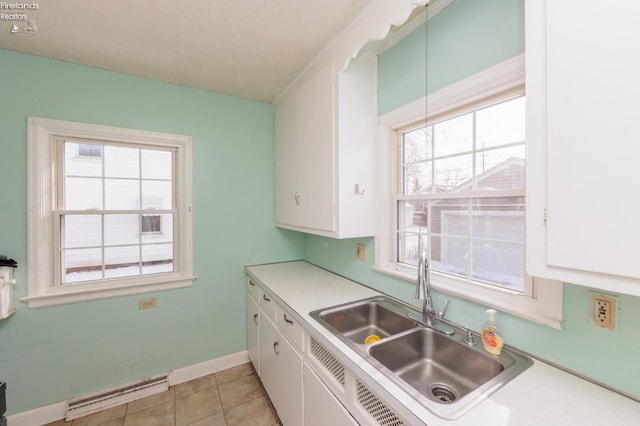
x=542 y=395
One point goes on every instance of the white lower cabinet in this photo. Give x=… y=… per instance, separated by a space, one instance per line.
x=321 y=408
x=281 y=372
x=301 y=376
x=253 y=333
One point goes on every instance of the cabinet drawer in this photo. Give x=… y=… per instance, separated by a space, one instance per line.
x=290 y=328
x=253 y=289
x=268 y=305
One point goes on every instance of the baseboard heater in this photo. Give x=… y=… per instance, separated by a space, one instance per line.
x=85 y=405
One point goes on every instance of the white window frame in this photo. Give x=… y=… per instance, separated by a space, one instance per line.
x=41 y=188
x=542 y=301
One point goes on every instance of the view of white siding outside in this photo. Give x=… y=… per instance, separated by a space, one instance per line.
x=117 y=213
x=462 y=195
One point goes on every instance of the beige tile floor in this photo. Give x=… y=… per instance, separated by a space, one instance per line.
x=232 y=397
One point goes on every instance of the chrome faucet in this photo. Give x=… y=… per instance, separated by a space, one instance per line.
x=430 y=314
x=423 y=289
x=423 y=292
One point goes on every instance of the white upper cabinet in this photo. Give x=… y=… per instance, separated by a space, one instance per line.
x=583 y=178
x=305 y=154
x=326 y=132
x=325 y=140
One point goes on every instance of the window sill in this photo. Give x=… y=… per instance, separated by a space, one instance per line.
x=83 y=294
x=544 y=309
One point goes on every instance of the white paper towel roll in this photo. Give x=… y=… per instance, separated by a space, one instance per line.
x=6 y=291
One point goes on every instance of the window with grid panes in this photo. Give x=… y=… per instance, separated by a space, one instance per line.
x=110 y=210
x=461 y=195
x=103 y=213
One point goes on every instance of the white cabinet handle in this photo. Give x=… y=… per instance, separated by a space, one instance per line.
x=275 y=347
x=297 y=197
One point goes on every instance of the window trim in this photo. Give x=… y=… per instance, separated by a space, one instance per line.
x=41 y=188
x=507 y=79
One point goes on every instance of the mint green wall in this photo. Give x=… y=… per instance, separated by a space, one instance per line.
x=492 y=31
x=461 y=41
x=51 y=354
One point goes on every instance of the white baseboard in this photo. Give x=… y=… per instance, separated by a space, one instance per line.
x=208 y=367
x=39 y=416
x=56 y=411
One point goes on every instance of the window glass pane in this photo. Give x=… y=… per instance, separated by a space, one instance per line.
x=408 y=251
x=82 y=231
x=121 y=162
x=150 y=224
x=499 y=264
x=453 y=174
x=156 y=194
x=90 y=150
x=157 y=258
x=502 y=168
x=157 y=228
x=81 y=265
x=416 y=145
x=122 y=194
x=82 y=193
x=501 y=124
x=413 y=215
x=156 y=164
x=450 y=217
x=417 y=214
x=121 y=229
x=417 y=177
x=122 y=261
x=453 y=136
x=413 y=227
x=77 y=163
x=450 y=255
x=499 y=219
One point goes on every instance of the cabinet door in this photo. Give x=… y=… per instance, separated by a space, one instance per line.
x=268 y=361
x=593 y=150
x=253 y=333
x=320 y=406
x=286 y=162
x=582 y=92
x=315 y=124
x=281 y=368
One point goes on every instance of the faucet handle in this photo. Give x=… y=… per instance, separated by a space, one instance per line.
x=469 y=339
x=444 y=310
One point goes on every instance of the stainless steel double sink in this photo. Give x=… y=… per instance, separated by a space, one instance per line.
x=442 y=372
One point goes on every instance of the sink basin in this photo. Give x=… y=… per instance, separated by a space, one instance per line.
x=376 y=316
x=440 y=371
x=438 y=367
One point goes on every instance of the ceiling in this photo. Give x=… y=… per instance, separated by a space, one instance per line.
x=250 y=49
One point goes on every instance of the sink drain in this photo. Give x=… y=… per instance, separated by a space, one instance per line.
x=443 y=394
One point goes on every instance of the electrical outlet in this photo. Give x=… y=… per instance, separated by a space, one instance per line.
x=603 y=310
x=152 y=302
x=361 y=252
